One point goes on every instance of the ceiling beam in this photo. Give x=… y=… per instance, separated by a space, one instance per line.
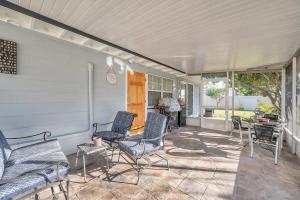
x=234 y=70
x=38 y=16
x=291 y=59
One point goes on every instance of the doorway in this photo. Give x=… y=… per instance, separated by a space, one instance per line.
x=136 y=97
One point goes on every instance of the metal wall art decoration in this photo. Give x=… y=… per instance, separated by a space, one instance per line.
x=8 y=57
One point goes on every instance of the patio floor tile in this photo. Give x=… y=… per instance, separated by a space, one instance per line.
x=192 y=188
x=204 y=164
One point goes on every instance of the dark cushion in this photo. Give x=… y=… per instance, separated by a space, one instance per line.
x=136 y=149
x=109 y=135
x=155 y=126
x=30 y=182
x=122 y=122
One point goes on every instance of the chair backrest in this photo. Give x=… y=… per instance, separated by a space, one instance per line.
x=123 y=122
x=5 y=151
x=155 y=126
x=263 y=132
x=237 y=122
x=272 y=117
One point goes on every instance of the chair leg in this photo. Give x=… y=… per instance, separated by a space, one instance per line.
x=251 y=148
x=65 y=192
x=106 y=158
x=53 y=193
x=68 y=189
x=168 y=164
x=112 y=153
x=139 y=168
x=119 y=155
x=84 y=170
x=76 y=161
x=276 y=151
x=36 y=197
x=241 y=137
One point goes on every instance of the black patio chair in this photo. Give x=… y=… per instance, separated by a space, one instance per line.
x=146 y=144
x=266 y=135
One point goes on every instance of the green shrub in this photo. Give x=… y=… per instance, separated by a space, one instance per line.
x=265 y=107
x=241 y=108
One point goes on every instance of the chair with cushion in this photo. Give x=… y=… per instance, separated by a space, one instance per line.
x=238 y=125
x=27 y=170
x=120 y=126
x=146 y=144
x=266 y=136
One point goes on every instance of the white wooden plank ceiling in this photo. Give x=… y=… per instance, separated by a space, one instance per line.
x=191 y=35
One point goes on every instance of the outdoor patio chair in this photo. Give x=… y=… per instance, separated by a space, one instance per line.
x=238 y=125
x=120 y=126
x=146 y=144
x=267 y=136
x=27 y=170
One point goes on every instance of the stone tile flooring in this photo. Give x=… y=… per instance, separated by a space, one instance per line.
x=204 y=164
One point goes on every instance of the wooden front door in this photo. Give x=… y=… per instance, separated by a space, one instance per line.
x=136 y=97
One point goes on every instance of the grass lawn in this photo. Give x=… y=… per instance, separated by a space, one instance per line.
x=242 y=113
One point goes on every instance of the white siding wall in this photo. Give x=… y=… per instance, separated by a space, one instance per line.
x=50 y=91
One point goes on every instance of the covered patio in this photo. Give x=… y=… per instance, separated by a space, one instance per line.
x=210 y=87
x=204 y=164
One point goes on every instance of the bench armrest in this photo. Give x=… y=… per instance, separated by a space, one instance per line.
x=45 y=134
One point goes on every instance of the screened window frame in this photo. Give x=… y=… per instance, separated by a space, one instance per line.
x=162 y=91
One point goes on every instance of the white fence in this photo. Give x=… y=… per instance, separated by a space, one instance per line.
x=245 y=102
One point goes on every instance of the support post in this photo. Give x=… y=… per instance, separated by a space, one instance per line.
x=294 y=105
x=201 y=100
x=283 y=91
x=232 y=88
x=226 y=100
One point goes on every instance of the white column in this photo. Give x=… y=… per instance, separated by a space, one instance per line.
x=294 y=106
x=226 y=100
x=91 y=95
x=232 y=88
x=283 y=80
x=283 y=117
x=201 y=100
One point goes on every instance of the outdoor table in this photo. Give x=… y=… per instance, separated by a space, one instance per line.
x=87 y=149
